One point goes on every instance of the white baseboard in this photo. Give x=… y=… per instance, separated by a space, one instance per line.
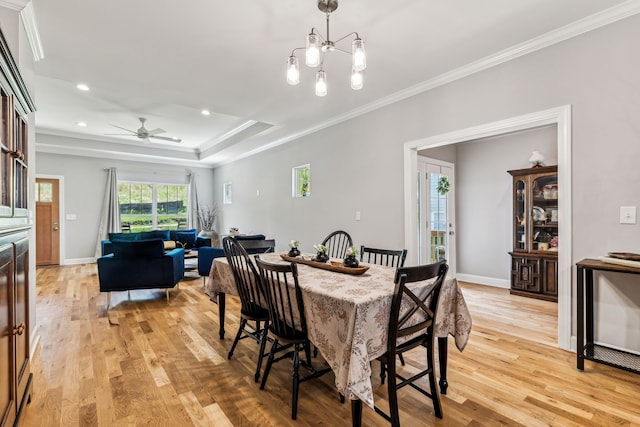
x=481 y=280
x=71 y=261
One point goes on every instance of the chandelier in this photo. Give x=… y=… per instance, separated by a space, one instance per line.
x=316 y=48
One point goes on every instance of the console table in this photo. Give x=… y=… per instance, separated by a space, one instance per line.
x=586 y=348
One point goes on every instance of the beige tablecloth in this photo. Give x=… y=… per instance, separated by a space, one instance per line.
x=347 y=317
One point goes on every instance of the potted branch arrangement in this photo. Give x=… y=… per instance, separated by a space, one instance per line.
x=207 y=215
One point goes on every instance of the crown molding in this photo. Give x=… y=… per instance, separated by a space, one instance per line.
x=14 y=4
x=28 y=17
x=114 y=155
x=590 y=23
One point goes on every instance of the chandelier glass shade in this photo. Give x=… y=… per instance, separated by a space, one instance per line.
x=317 y=47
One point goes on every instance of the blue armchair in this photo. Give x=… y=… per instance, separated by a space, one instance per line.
x=140 y=264
x=205 y=259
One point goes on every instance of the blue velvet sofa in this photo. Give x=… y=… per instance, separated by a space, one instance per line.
x=140 y=264
x=187 y=239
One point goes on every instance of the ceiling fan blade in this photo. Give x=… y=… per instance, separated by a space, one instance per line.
x=156 y=131
x=121 y=134
x=166 y=138
x=128 y=130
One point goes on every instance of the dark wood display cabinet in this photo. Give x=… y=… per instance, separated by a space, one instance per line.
x=534 y=259
x=15 y=354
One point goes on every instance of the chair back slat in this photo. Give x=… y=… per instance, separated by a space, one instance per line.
x=338 y=242
x=245 y=276
x=413 y=313
x=388 y=257
x=284 y=299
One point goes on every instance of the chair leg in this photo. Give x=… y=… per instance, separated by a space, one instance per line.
x=435 y=396
x=394 y=412
x=307 y=352
x=243 y=322
x=267 y=369
x=167 y=292
x=108 y=300
x=263 y=343
x=401 y=357
x=296 y=380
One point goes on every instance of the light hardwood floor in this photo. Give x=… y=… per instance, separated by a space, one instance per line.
x=149 y=362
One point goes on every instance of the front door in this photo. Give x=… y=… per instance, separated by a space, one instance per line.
x=47 y=222
x=436 y=227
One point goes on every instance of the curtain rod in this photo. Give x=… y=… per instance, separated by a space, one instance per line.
x=154 y=172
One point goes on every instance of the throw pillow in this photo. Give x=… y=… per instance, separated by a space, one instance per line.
x=155 y=234
x=169 y=244
x=124 y=237
x=187 y=238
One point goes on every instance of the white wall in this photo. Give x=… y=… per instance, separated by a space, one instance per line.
x=84 y=186
x=358 y=165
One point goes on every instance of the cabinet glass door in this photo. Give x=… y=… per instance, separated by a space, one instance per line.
x=520 y=220
x=544 y=213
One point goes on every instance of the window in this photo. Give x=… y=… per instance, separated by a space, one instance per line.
x=44 y=192
x=302 y=181
x=226 y=193
x=153 y=206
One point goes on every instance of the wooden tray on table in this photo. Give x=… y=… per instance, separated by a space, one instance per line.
x=336 y=266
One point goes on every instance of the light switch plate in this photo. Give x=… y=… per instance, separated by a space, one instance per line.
x=71 y=217
x=357 y=215
x=627 y=214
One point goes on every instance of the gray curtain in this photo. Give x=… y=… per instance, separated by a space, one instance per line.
x=110 y=216
x=192 y=214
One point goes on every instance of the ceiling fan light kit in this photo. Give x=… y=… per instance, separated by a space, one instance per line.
x=144 y=134
x=315 y=49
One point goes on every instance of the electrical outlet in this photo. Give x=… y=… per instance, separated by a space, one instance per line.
x=627 y=214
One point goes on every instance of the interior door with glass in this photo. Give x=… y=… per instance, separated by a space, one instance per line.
x=436 y=212
x=47 y=221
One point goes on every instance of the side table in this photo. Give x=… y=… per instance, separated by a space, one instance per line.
x=586 y=347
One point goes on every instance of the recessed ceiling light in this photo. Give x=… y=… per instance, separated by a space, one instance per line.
x=206 y=112
x=83 y=87
x=175 y=138
x=82 y=124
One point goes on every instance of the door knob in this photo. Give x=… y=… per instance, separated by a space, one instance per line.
x=56 y=228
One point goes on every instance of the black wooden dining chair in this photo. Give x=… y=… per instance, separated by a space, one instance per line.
x=288 y=325
x=252 y=302
x=411 y=324
x=388 y=257
x=338 y=242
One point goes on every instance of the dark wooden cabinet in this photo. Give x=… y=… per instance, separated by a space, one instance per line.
x=534 y=259
x=15 y=370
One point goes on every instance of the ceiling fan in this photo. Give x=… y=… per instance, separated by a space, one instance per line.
x=144 y=134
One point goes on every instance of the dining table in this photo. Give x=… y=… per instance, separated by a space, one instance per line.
x=348 y=319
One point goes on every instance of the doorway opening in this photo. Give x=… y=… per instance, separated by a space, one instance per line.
x=47 y=220
x=561 y=117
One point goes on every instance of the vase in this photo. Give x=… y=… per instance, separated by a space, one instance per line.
x=322 y=257
x=350 y=261
x=294 y=252
x=213 y=235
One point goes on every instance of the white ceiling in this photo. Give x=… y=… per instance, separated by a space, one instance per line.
x=167 y=61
